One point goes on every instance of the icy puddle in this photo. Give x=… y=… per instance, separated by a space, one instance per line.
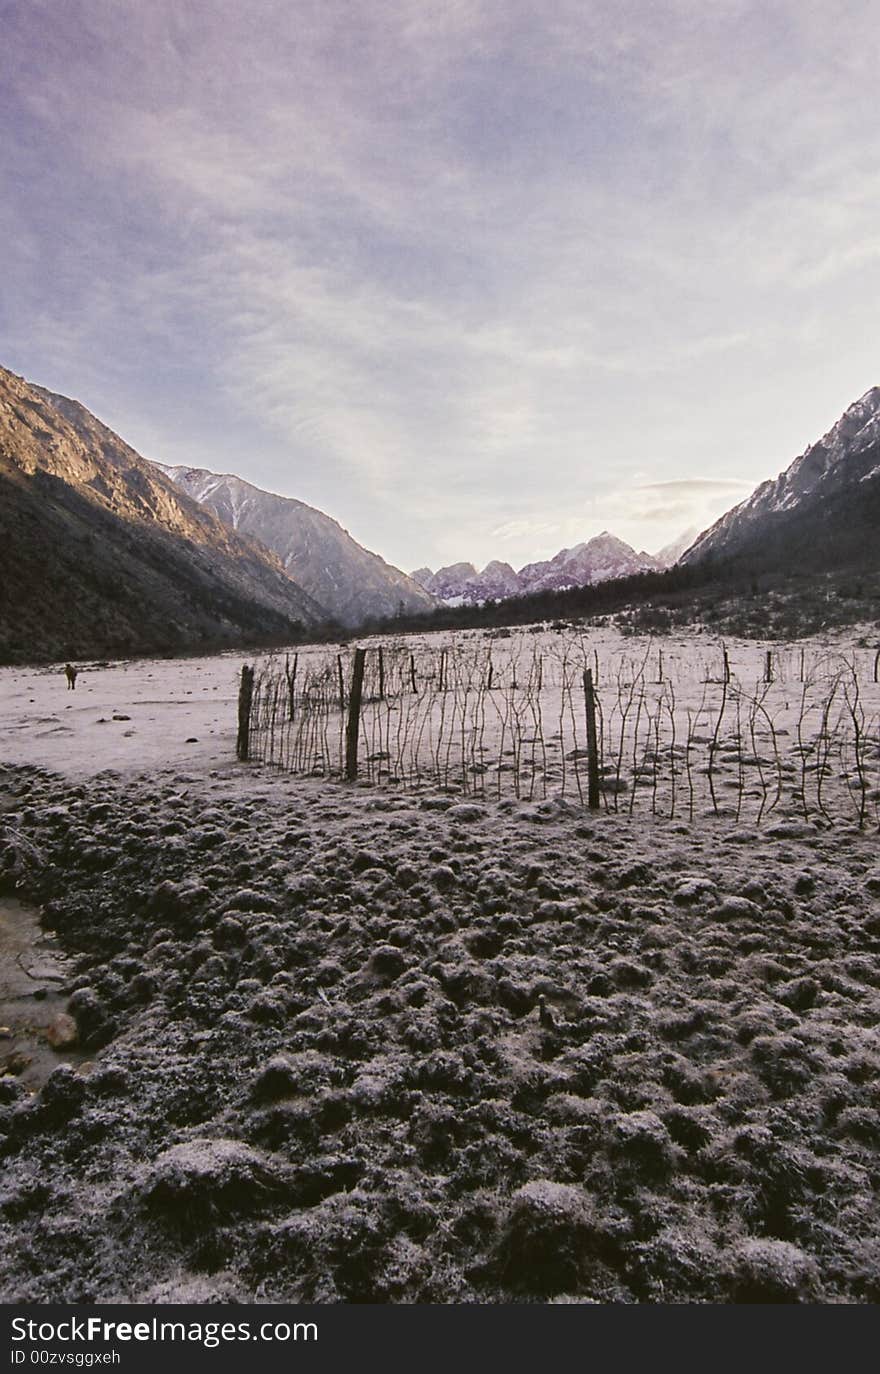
x=36 y=1033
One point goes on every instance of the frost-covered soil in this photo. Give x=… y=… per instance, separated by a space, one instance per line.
x=320 y=1069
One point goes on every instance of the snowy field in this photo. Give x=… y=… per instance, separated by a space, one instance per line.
x=129 y=716
x=430 y=1040
x=688 y=725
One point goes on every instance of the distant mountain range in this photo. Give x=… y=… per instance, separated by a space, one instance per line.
x=357 y=585
x=821 y=513
x=317 y=553
x=598 y=560
x=103 y=552
x=100 y=553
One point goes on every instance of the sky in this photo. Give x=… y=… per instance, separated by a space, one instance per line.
x=480 y=278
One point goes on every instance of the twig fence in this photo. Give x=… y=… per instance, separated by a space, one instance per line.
x=634 y=735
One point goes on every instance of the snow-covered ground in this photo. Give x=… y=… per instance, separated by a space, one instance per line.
x=520 y=732
x=686 y=724
x=129 y=716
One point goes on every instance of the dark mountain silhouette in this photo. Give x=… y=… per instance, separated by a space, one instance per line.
x=102 y=554
x=822 y=513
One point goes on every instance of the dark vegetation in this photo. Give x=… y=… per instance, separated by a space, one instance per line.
x=738 y=597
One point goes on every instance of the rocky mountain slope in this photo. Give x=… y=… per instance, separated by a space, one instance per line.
x=101 y=554
x=321 y=557
x=822 y=512
x=597 y=560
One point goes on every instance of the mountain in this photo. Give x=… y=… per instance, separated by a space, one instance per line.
x=671 y=552
x=455 y=584
x=101 y=554
x=598 y=560
x=321 y=557
x=498 y=580
x=821 y=513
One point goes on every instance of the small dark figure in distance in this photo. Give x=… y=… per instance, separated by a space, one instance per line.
x=70 y=673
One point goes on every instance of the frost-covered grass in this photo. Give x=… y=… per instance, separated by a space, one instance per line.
x=319 y=1069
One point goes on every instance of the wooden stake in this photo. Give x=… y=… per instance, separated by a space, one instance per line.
x=592 y=746
x=341 y=682
x=290 y=674
x=381 y=675
x=412 y=671
x=354 y=715
x=245 y=697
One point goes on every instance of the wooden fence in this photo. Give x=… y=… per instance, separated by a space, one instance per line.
x=678 y=737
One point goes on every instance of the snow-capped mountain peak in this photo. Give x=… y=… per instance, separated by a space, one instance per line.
x=815 y=481
x=316 y=551
x=594 y=560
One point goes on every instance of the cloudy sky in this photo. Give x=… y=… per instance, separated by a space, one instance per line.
x=479 y=278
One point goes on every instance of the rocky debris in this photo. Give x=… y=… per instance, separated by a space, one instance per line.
x=61 y=1032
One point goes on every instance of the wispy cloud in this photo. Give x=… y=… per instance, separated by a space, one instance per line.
x=475 y=277
x=689 y=486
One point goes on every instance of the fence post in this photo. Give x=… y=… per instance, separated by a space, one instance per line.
x=245 y=697
x=354 y=715
x=381 y=675
x=341 y=682
x=876 y=663
x=726 y=664
x=290 y=674
x=412 y=671
x=592 y=746
x=768 y=667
